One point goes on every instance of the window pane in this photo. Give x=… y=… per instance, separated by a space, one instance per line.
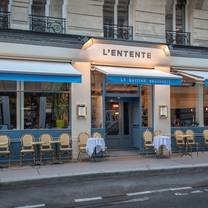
x=8 y=110
x=123 y=12
x=146 y=99
x=46 y=86
x=8 y=85
x=180 y=15
x=97 y=99
x=183 y=106
x=56 y=8
x=169 y=15
x=4 y=5
x=38 y=7
x=46 y=110
x=108 y=12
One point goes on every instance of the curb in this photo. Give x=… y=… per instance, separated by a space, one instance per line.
x=104 y=175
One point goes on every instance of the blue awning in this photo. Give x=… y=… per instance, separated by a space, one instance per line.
x=38 y=71
x=200 y=76
x=122 y=75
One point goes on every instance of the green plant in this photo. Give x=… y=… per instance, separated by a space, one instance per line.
x=60 y=106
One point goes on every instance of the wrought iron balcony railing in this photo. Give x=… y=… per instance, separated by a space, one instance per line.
x=4 y=20
x=178 y=38
x=47 y=24
x=118 y=32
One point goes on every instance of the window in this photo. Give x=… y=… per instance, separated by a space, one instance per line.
x=176 y=22
x=8 y=103
x=97 y=99
x=56 y=8
x=4 y=5
x=146 y=102
x=38 y=7
x=46 y=105
x=116 y=19
x=183 y=106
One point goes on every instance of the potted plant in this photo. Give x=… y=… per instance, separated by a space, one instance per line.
x=60 y=110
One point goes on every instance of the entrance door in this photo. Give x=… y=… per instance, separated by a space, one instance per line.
x=118 y=123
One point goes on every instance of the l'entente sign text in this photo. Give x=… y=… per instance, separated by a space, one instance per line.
x=127 y=53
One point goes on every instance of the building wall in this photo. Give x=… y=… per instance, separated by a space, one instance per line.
x=85 y=17
x=200 y=27
x=149 y=23
x=81 y=94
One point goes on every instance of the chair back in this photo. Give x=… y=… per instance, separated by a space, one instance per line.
x=191 y=137
x=27 y=141
x=96 y=135
x=4 y=142
x=147 y=136
x=179 y=139
x=46 y=138
x=82 y=139
x=65 y=140
x=205 y=134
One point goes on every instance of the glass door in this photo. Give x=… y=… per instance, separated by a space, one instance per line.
x=118 y=123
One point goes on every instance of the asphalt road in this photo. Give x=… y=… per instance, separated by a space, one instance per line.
x=172 y=190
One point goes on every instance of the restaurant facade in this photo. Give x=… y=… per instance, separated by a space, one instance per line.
x=119 y=89
x=147 y=69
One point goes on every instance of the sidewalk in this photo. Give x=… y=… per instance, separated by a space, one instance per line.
x=109 y=166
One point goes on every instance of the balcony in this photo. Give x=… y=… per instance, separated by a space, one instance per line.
x=4 y=20
x=178 y=38
x=47 y=24
x=118 y=32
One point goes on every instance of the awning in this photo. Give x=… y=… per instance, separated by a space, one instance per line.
x=38 y=71
x=138 y=76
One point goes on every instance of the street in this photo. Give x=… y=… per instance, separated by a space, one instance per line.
x=173 y=190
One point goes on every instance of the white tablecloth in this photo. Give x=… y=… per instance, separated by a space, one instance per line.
x=92 y=143
x=162 y=140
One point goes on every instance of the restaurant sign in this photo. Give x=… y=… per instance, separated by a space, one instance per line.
x=127 y=55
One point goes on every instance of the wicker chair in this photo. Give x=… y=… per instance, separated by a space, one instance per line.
x=157 y=132
x=5 y=147
x=27 y=147
x=96 y=135
x=191 y=140
x=179 y=139
x=148 y=141
x=205 y=134
x=46 y=146
x=65 y=144
x=82 y=141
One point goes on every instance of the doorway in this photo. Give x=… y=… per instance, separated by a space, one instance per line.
x=118 y=123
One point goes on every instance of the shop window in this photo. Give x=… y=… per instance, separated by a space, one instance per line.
x=97 y=99
x=8 y=103
x=183 y=106
x=146 y=102
x=46 y=105
x=205 y=106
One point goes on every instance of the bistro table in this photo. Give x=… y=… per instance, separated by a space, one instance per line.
x=160 y=142
x=56 y=143
x=37 y=144
x=94 y=146
x=184 y=137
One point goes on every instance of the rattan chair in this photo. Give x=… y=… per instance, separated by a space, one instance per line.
x=27 y=147
x=157 y=132
x=96 y=135
x=5 y=147
x=205 y=134
x=46 y=146
x=82 y=141
x=148 y=141
x=191 y=140
x=179 y=139
x=65 y=144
